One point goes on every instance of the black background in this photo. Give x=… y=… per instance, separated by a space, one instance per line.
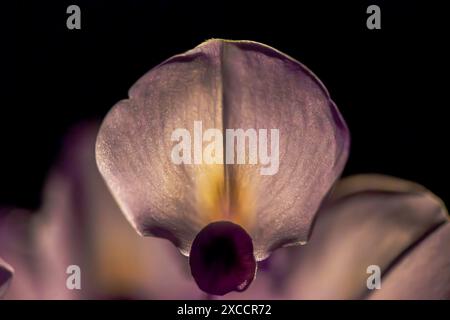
x=389 y=84
x=292 y=309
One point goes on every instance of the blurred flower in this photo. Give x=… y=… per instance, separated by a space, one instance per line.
x=236 y=213
x=366 y=220
x=6 y=273
x=231 y=213
x=80 y=224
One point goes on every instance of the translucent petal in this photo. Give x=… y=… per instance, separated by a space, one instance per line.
x=372 y=226
x=225 y=85
x=423 y=272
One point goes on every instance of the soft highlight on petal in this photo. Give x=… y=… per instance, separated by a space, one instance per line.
x=373 y=182
x=80 y=224
x=6 y=273
x=422 y=272
x=225 y=85
x=16 y=247
x=363 y=228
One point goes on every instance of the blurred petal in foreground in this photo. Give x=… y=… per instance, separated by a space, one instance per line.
x=369 y=220
x=80 y=224
x=6 y=273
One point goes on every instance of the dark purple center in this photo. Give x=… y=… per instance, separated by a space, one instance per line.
x=222 y=259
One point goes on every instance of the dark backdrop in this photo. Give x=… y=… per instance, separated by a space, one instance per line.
x=389 y=84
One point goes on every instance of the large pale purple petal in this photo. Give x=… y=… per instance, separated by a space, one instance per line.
x=226 y=85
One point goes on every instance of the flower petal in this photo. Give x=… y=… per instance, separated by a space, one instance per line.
x=226 y=85
x=16 y=248
x=80 y=224
x=372 y=182
x=423 y=272
x=6 y=273
x=359 y=230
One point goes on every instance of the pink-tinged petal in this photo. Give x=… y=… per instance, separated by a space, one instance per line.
x=372 y=182
x=356 y=231
x=226 y=85
x=61 y=232
x=6 y=272
x=16 y=247
x=423 y=272
x=264 y=88
x=80 y=224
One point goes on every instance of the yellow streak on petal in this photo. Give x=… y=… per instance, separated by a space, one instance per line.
x=210 y=193
x=218 y=201
x=242 y=200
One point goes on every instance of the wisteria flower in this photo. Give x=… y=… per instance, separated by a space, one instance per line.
x=366 y=220
x=225 y=215
x=226 y=218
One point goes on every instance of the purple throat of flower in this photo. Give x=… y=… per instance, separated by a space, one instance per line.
x=221 y=258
